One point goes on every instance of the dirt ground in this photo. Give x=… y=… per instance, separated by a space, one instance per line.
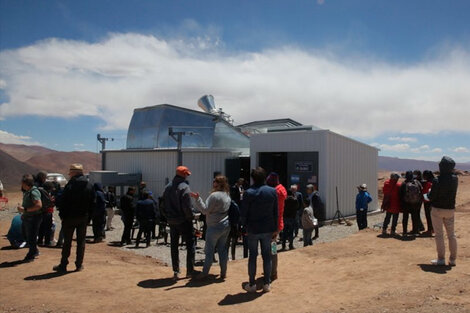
x=362 y=273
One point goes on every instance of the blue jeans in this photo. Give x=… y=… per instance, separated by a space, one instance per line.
x=31 y=226
x=216 y=239
x=308 y=237
x=265 y=240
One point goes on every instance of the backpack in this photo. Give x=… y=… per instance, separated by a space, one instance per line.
x=234 y=214
x=46 y=200
x=412 y=192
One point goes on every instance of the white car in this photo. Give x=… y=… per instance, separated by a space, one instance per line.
x=59 y=178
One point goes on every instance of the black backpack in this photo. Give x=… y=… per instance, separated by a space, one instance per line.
x=46 y=200
x=234 y=214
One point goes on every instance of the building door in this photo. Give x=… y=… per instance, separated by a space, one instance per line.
x=275 y=162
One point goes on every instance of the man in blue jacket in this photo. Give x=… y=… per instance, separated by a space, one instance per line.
x=259 y=214
x=362 y=204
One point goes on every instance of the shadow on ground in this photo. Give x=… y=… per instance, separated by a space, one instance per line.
x=435 y=268
x=46 y=276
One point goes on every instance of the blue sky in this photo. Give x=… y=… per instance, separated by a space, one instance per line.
x=393 y=74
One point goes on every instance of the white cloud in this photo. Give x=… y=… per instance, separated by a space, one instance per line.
x=399 y=147
x=9 y=138
x=461 y=150
x=403 y=139
x=108 y=79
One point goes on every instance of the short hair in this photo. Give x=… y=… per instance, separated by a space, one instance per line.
x=41 y=175
x=130 y=189
x=28 y=180
x=258 y=175
x=145 y=194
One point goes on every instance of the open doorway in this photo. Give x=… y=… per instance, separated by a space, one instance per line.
x=274 y=162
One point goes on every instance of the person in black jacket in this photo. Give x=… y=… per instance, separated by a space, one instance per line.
x=145 y=214
x=291 y=206
x=179 y=215
x=99 y=214
x=410 y=198
x=127 y=209
x=442 y=197
x=75 y=206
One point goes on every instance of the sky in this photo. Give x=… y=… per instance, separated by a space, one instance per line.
x=392 y=74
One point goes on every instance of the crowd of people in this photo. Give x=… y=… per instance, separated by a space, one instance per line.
x=259 y=215
x=437 y=196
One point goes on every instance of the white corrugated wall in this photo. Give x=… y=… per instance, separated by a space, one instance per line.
x=158 y=166
x=350 y=163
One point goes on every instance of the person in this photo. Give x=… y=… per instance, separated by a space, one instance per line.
x=179 y=215
x=45 y=230
x=309 y=223
x=75 y=207
x=410 y=197
x=142 y=188
x=259 y=214
x=317 y=206
x=236 y=194
x=428 y=178
x=273 y=181
x=363 y=199
x=391 y=203
x=417 y=174
x=127 y=209
x=110 y=207
x=290 y=213
x=216 y=210
x=300 y=200
x=99 y=214
x=15 y=233
x=145 y=214
x=32 y=215
x=40 y=179
x=442 y=197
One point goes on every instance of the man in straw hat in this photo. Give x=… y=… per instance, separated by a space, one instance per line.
x=75 y=207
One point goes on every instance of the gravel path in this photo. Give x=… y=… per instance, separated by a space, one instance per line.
x=160 y=251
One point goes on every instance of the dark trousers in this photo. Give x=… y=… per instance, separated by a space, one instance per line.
x=412 y=209
x=361 y=218
x=394 y=217
x=232 y=240
x=31 y=227
x=185 y=230
x=126 y=234
x=145 y=226
x=427 y=211
x=45 y=230
x=69 y=225
x=288 y=232
x=99 y=221
x=245 y=246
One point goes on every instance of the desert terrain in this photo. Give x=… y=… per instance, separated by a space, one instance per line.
x=361 y=273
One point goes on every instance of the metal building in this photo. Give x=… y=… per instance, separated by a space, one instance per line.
x=323 y=157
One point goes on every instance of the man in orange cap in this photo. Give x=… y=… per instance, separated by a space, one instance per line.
x=179 y=214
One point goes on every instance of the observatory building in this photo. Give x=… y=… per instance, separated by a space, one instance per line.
x=162 y=136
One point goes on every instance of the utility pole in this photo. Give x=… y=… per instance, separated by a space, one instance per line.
x=103 y=140
x=178 y=137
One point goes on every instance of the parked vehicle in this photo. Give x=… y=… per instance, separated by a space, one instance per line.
x=59 y=178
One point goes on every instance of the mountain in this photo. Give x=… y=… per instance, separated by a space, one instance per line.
x=11 y=171
x=16 y=160
x=401 y=165
x=23 y=152
x=59 y=162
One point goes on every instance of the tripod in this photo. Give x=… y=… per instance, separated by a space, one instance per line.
x=338 y=214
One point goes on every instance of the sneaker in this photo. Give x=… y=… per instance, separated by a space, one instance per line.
x=79 y=268
x=176 y=275
x=28 y=259
x=60 y=268
x=438 y=262
x=451 y=262
x=267 y=287
x=249 y=288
